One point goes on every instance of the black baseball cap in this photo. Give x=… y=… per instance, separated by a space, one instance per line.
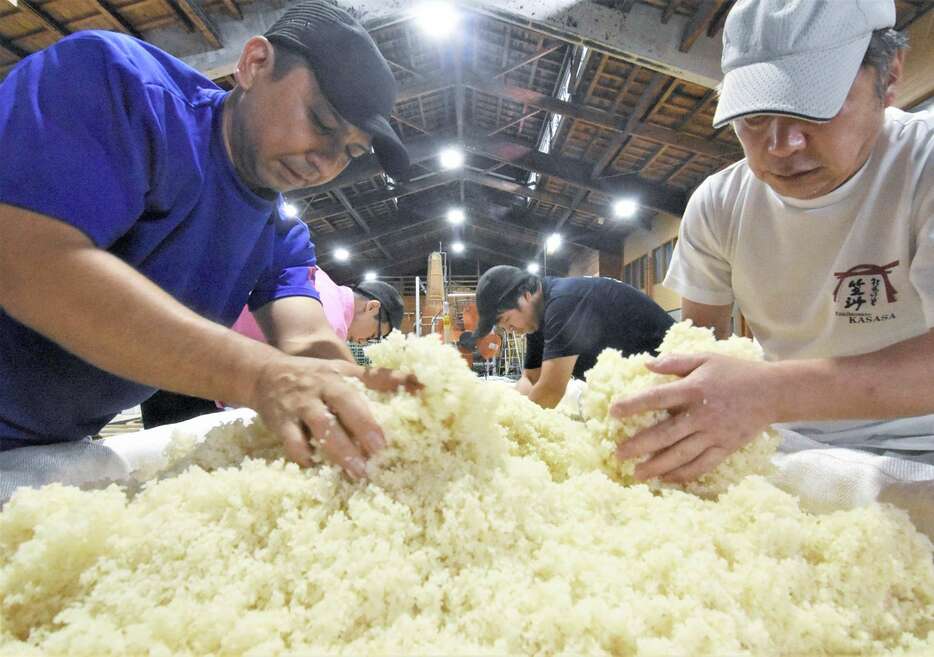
x=351 y=71
x=390 y=301
x=493 y=289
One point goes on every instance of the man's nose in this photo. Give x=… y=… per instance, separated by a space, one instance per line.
x=330 y=157
x=785 y=136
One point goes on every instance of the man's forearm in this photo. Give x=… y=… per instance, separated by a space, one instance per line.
x=544 y=396
x=98 y=307
x=320 y=346
x=892 y=382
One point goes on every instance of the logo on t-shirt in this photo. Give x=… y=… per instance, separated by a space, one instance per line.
x=864 y=294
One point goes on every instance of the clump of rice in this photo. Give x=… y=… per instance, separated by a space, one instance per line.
x=614 y=377
x=480 y=531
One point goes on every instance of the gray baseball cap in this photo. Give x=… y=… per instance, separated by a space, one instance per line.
x=795 y=57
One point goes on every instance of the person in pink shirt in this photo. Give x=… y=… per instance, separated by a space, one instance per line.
x=371 y=310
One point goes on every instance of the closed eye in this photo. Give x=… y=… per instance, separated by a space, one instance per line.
x=320 y=125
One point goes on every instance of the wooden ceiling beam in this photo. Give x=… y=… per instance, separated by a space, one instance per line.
x=695 y=27
x=327 y=210
x=518 y=189
x=604 y=119
x=360 y=221
x=543 y=52
x=577 y=172
x=12 y=48
x=47 y=21
x=670 y=10
x=200 y=20
x=114 y=18
x=233 y=9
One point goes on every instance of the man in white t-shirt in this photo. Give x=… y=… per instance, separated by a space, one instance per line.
x=823 y=237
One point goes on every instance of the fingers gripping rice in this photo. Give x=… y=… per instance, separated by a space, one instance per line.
x=479 y=533
x=613 y=378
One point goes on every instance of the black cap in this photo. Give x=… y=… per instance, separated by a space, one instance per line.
x=493 y=288
x=390 y=301
x=352 y=73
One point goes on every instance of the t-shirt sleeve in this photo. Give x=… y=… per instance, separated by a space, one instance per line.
x=79 y=138
x=288 y=276
x=534 y=345
x=921 y=273
x=572 y=327
x=699 y=269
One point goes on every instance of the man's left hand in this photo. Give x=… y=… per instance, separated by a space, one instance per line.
x=718 y=406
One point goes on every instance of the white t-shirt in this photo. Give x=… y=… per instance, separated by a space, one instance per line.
x=848 y=273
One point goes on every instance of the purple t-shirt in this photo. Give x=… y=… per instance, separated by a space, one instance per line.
x=123 y=141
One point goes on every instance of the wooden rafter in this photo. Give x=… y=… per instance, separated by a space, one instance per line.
x=233 y=9
x=412 y=124
x=717 y=23
x=710 y=95
x=114 y=18
x=670 y=10
x=358 y=219
x=704 y=13
x=200 y=20
x=603 y=119
x=325 y=210
x=514 y=122
x=47 y=21
x=12 y=48
x=528 y=60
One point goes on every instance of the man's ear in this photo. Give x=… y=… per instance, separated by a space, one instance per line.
x=257 y=56
x=895 y=74
x=372 y=307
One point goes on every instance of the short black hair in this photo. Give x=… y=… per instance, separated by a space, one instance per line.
x=530 y=283
x=883 y=46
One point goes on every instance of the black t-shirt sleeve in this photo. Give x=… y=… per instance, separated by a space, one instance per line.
x=572 y=327
x=534 y=345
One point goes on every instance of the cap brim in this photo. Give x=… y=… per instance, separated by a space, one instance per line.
x=810 y=86
x=484 y=326
x=389 y=149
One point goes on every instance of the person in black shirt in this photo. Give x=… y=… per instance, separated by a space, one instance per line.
x=567 y=322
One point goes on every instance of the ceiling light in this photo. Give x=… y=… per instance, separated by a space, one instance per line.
x=289 y=210
x=625 y=208
x=341 y=255
x=457 y=247
x=456 y=216
x=436 y=18
x=532 y=268
x=369 y=276
x=451 y=158
x=553 y=243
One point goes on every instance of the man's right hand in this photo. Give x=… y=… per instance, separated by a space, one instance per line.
x=308 y=402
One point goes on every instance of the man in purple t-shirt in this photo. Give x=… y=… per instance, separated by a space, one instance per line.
x=138 y=216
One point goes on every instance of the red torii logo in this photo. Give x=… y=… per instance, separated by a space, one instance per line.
x=869 y=270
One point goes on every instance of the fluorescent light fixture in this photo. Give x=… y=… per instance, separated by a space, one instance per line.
x=456 y=216
x=341 y=254
x=625 y=208
x=436 y=18
x=369 y=276
x=289 y=210
x=532 y=268
x=451 y=158
x=457 y=247
x=553 y=243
